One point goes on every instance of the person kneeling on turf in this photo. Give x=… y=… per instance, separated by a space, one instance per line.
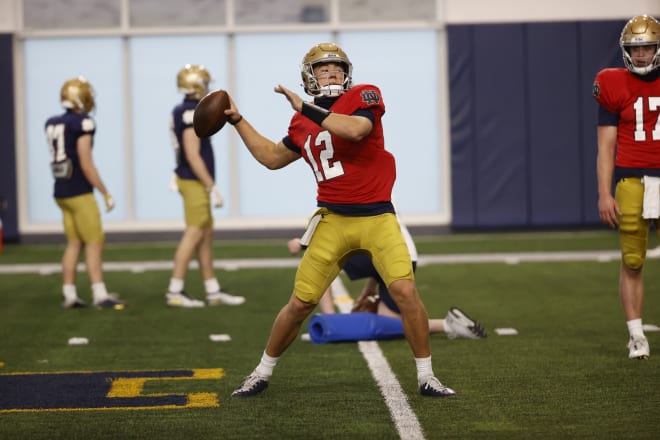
x=375 y=298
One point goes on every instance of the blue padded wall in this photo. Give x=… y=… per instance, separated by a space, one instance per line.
x=555 y=161
x=523 y=123
x=8 y=208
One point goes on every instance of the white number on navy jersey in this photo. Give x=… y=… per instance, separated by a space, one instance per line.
x=60 y=166
x=328 y=169
x=55 y=135
x=175 y=141
x=654 y=106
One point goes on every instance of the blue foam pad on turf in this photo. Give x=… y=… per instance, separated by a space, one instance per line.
x=362 y=326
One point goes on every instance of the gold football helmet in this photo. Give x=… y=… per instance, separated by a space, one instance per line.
x=193 y=79
x=642 y=30
x=325 y=53
x=78 y=95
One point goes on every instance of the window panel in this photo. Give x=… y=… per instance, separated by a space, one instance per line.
x=147 y=13
x=389 y=10
x=252 y=12
x=47 y=67
x=155 y=62
x=71 y=14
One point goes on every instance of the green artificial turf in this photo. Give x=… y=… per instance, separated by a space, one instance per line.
x=566 y=374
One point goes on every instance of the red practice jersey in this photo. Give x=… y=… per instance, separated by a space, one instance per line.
x=348 y=172
x=637 y=103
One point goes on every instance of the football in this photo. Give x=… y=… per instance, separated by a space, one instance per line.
x=209 y=116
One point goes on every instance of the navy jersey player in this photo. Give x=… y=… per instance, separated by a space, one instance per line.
x=629 y=154
x=195 y=181
x=340 y=136
x=70 y=138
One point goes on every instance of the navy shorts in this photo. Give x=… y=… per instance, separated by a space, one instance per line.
x=359 y=266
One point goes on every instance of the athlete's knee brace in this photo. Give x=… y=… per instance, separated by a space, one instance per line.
x=633 y=248
x=633 y=260
x=633 y=237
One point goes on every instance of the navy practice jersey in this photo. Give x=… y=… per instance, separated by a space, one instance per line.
x=182 y=118
x=62 y=133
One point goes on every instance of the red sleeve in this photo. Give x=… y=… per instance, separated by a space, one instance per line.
x=608 y=87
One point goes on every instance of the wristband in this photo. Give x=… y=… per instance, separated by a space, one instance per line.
x=314 y=112
x=240 y=118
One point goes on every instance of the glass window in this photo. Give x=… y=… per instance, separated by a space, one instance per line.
x=146 y=13
x=71 y=14
x=386 y=10
x=48 y=63
x=252 y=12
x=155 y=62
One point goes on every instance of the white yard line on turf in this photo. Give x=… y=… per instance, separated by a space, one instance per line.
x=403 y=416
x=269 y=263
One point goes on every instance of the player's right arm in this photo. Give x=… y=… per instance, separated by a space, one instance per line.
x=608 y=209
x=268 y=153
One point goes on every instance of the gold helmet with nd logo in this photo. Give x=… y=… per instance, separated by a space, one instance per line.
x=642 y=30
x=193 y=80
x=77 y=94
x=325 y=53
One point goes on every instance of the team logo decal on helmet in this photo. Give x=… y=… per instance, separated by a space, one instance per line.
x=193 y=80
x=325 y=53
x=595 y=90
x=77 y=94
x=642 y=30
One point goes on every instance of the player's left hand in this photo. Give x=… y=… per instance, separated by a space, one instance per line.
x=173 y=184
x=295 y=100
x=109 y=202
x=294 y=245
x=216 y=197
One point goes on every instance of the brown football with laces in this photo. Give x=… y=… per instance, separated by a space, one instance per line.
x=209 y=116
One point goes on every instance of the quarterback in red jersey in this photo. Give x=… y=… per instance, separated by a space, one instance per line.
x=340 y=136
x=629 y=154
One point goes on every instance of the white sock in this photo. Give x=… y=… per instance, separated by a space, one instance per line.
x=265 y=367
x=635 y=327
x=69 y=292
x=424 y=368
x=176 y=285
x=338 y=288
x=212 y=285
x=99 y=292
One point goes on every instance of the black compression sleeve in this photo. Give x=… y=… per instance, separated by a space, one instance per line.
x=314 y=112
